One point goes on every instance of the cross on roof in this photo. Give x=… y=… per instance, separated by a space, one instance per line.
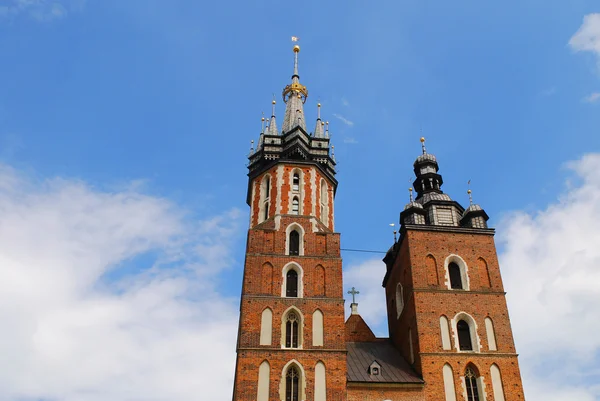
x=353 y=291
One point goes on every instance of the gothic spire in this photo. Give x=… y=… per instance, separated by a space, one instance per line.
x=319 y=127
x=272 y=123
x=294 y=95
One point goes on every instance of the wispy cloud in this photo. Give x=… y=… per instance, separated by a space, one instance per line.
x=121 y=302
x=345 y=102
x=344 y=120
x=350 y=140
x=587 y=38
x=592 y=97
x=41 y=10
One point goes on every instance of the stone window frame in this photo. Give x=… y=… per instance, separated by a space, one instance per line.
x=284 y=317
x=475 y=340
x=300 y=271
x=464 y=272
x=265 y=198
x=302 y=381
x=299 y=194
x=399 y=300
x=288 y=230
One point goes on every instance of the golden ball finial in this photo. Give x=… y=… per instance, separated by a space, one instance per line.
x=469 y=192
x=262 y=119
x=318 y=104
x=422 y=139
x=410 y=189
x=273 y=102
x=296 y=49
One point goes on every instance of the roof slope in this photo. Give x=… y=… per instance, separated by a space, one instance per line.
x=394 y=369
x=358 y=330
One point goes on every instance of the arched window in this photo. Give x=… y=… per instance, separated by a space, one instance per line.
x=471 y=384
x=291 y=284
x=455 y=276
x=296 y=182
x=294 y=242
x=265 y=197
x=399 y=300
x=464 y=336
x=292 y=384
x=263 y=382
x=449 y=388
x=295 y=205
x=291 y=330
x=324 y=203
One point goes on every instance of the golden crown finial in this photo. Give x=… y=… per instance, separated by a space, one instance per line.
x=422 y=139
x=296 y=49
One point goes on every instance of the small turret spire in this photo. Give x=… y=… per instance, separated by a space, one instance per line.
x=319 y=126
x=273 y=124
x=423 y=145
x=326 y=129
x=262 y=128
x=410 y=191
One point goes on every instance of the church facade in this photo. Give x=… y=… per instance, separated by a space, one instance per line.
x=449 y=331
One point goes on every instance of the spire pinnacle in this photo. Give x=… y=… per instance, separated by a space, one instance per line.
x=319 y=126
x=423 y=145
x=470 y=193
x=294 y=95
x=410 y=191
x=273 y=124
x=326 y=129
x=262 y=128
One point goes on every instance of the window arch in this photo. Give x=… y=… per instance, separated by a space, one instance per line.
x=266 y=327
x=263 y=382
x=445 y=332
x=296 y=206
x=457 y=277
x=290 y=246
x=491 y=335
x=497 y=383
x=265 y=198
x=464 y=336
x=324 y=203
x=317 y=323
x=449 y=388
x=399 y=300
x=296 y=182
x=292 y=382
x=291 y=284
x=472 y=384
x=292 y=281
x=465 y=333
x=292 y=328
x=320 y=382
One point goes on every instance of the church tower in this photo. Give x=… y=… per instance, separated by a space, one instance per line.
x=446 y=306
x=291 y=331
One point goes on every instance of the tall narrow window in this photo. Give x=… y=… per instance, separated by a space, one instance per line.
x=449 y=383
x=324 y=203
x=291 y=331
x=292 y=381
x=266 y=197
x=464 y=336
x=295 y=206
x=471 y=383
x=294 y=242
x=291 y=284
x=455 y=276
x=266 y=216
x=296 y=182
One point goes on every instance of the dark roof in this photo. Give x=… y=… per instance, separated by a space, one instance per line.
x=394 y=369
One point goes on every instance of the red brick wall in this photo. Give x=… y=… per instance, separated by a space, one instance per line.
x=385 y=393
x=419 y=266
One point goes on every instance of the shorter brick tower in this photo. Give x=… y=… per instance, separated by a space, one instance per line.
x=446 y=306
x=291 y=331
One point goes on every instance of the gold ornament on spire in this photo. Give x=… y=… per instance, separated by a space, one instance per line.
x=295 y=88
x=423 y=145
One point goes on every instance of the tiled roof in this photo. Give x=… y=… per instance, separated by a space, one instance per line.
x=394 y=369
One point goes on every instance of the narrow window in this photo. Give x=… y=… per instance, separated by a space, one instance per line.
x=294 y=242
x=291 y=284
x=445 y=333
x=497 y=383
x=266 y=327
x=491 y=336
x=471 y=383
x=266 y=216
x=318 y=328
x=449 y=383
x=320 y=382
x=267 y=187
x=292 y=379
x=464 y=336
x=263 y=382
x=455 y=276
x=295 y=206
x=296 y=183
x=291 y=331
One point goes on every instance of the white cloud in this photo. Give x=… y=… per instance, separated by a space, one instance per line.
x=345 y=102
x=550 y=270
x=549 y=92
x=41 y=10
x=587 y=38
x=344 y=120
x=111 y=296
x=592 y=97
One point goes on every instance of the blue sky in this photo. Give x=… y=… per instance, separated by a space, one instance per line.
x=109 y=104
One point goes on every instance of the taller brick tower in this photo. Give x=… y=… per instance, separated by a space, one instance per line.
x=291 y=332
x=446 y=307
